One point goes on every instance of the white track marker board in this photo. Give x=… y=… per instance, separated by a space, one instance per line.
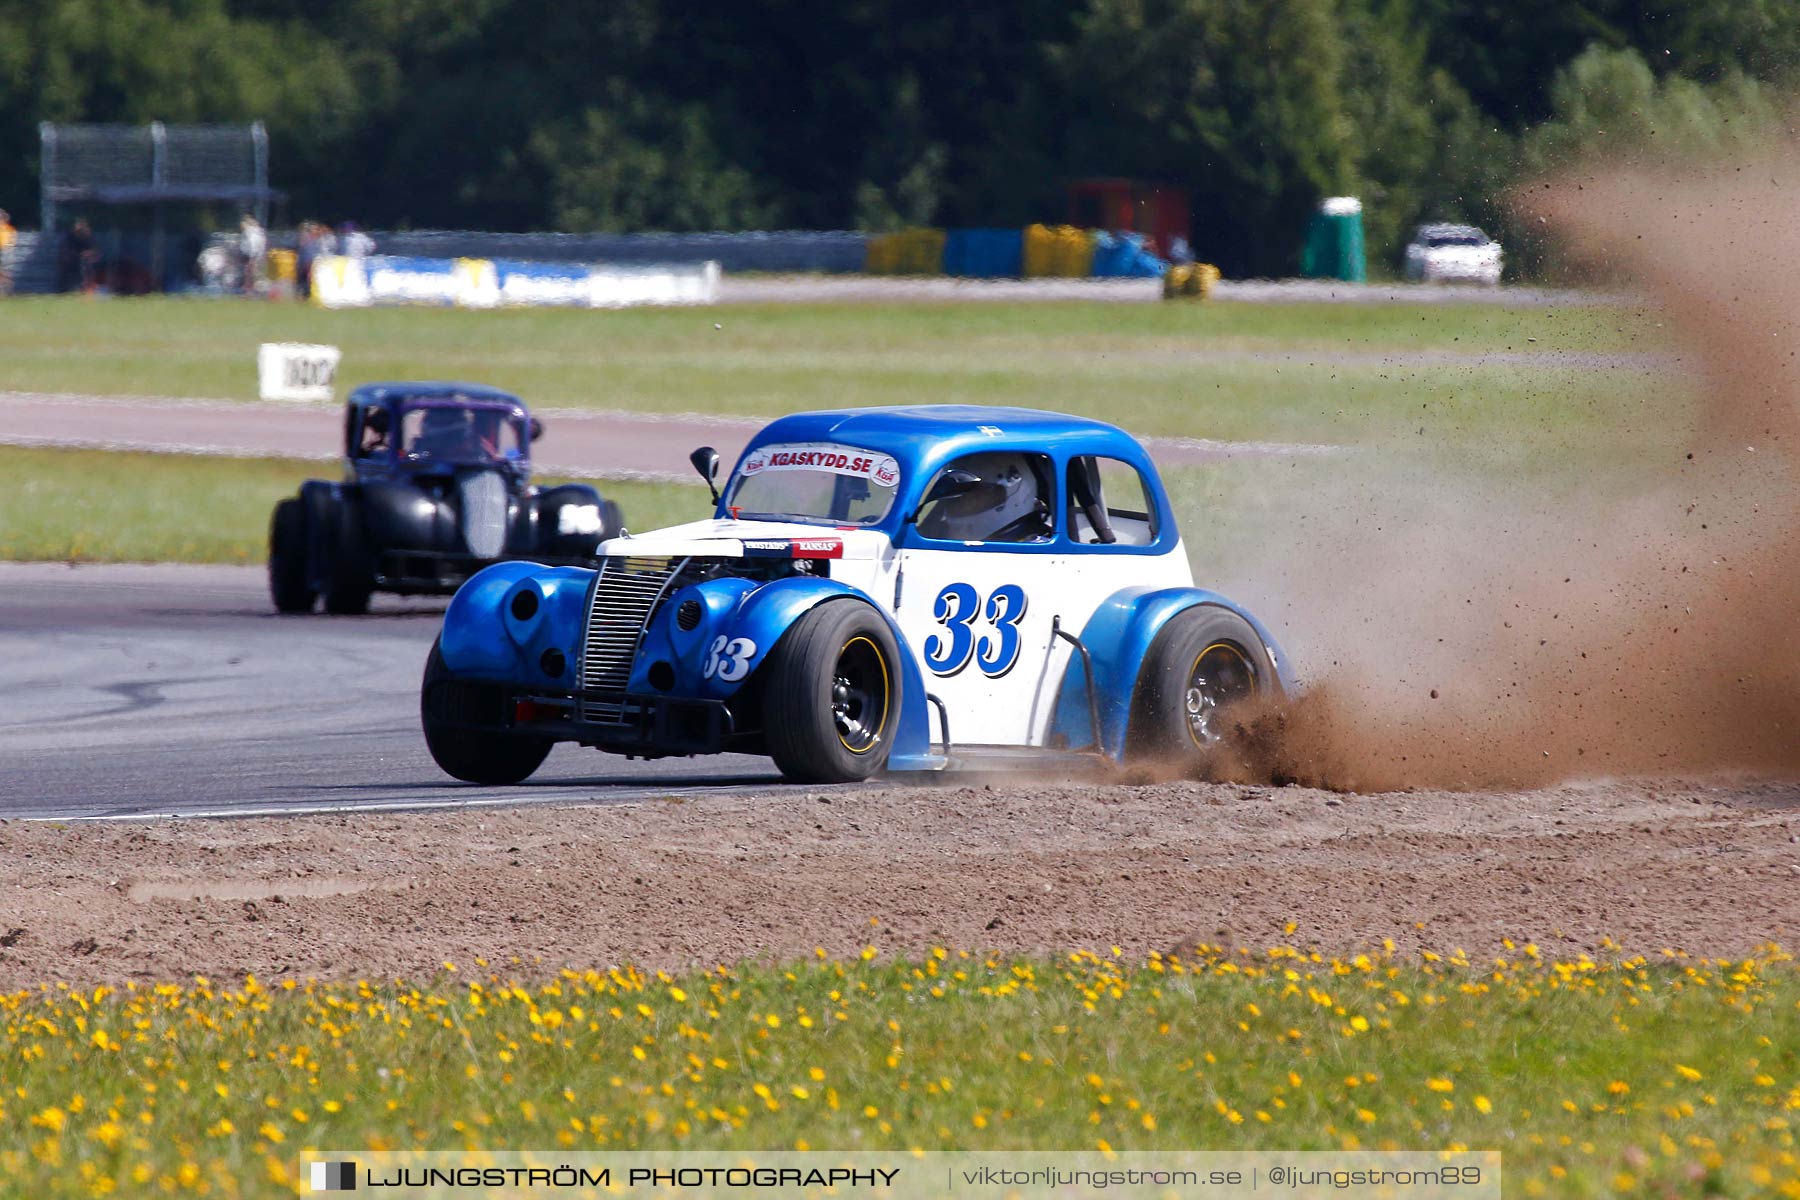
x=295 y=371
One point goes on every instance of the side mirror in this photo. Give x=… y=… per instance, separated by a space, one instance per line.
x=706 y=461
x=537 y=429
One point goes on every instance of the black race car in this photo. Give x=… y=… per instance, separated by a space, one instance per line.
x=437 y=486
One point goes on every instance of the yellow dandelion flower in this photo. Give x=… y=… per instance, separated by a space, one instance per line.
x=1440 y=1085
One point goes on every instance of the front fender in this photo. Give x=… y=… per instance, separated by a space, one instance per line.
x=1117 y=637
x=505 y=622
x=560 y=537
x=739 y=624
x=398 y=516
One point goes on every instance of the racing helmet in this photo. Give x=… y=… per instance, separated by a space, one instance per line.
x=440 y=420
x=1004 y=505
x=442 y=429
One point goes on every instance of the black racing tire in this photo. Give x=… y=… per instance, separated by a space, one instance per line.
x=495 y=758
x=350 y=575
x=1204 y=662
x=288 y=584
x=831 y=695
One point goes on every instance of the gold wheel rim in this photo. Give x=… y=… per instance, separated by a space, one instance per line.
x=1229 y=678
x=851 y=700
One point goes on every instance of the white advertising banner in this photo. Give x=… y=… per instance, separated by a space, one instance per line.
x=342 y=282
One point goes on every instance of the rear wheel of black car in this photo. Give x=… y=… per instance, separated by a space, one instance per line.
x=288 y=585
x=490 y=756
x=1200 y=681
x=350 y=576
x=831 y=695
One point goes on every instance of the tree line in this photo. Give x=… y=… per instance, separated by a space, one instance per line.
x=875 y=114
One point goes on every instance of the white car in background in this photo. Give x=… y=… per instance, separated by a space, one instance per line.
x=1440 y=253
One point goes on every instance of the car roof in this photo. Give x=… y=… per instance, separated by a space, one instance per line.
x=946 y=430
x=1445 y=230
x=377 y=393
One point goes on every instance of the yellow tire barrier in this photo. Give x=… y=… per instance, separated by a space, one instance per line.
x=1061 y=251
x=1189 y=281
x=908 y=252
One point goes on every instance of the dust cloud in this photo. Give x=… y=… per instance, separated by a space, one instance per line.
x=1468 y=633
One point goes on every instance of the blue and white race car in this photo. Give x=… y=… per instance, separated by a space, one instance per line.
x=874 y=584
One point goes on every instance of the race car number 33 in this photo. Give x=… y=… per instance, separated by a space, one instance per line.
x=956 y=609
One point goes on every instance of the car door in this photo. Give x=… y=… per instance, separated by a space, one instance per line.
x=986 y=583
x=984 y=577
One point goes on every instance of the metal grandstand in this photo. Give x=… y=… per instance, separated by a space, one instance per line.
x=153 y=178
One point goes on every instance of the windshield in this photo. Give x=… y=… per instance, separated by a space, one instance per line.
x=454 y=431
x=1455 y=239
x=819 y=483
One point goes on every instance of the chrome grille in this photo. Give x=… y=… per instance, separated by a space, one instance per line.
x=626 y=595
x=484 y=513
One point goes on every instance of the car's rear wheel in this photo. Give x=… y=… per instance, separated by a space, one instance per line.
x=288 y=585
x=831 y=695
x=1204 y=673
x=350 y=577
x=493 y=757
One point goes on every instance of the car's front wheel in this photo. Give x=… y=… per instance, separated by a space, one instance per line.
x=493 y=757
x=1205 y=671
x=831 y=695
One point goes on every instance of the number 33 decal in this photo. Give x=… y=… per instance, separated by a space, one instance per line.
x=956 y=608
x=729 y=660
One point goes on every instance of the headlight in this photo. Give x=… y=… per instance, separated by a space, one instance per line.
x=578 y=518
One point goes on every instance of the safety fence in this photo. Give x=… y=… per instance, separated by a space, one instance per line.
x=1035 y=252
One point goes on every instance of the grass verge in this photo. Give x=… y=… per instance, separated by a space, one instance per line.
x=1362 y=373
x=106 y=506
x=1591 y=1077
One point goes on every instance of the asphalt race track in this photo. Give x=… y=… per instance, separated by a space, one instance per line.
x=134 y=691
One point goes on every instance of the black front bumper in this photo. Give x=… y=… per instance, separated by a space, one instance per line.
x=623 y=723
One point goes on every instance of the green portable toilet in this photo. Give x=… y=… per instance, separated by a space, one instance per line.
x=1334 y=241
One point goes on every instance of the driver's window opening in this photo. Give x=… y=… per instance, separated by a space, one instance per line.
x=995 y=496
x=1109 y=504
x=374 y=433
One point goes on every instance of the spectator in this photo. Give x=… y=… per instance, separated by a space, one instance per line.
x=304 y=253
x=353 y=242
x=253 y=244
x=78 y=259
x=8 y=236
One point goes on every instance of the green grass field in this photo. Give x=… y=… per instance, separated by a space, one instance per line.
x=103 y=506
x=1327 y=373
x=1408 y=382
x=1677 y=1076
